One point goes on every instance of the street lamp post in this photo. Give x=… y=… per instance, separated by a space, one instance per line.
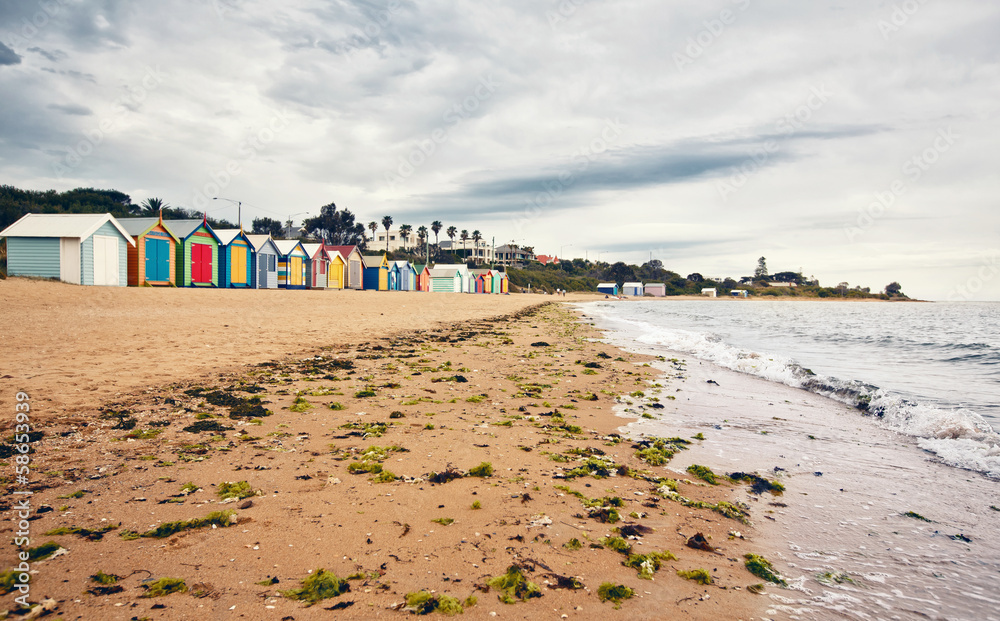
x=239 y=209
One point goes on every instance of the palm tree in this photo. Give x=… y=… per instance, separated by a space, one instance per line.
x=451 y=233
x=404 y=231
x=436 y=226
x=373 y=226
x=422 y=234
x=387 y=222
x=476 y=238
x=464 y=237
x=152 y=206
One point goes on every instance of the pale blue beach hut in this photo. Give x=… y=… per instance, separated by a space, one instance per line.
x=83 y=249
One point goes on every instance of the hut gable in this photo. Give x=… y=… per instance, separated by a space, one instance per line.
x=265 y=262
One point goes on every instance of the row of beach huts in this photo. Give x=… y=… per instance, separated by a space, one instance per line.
x=99 y=249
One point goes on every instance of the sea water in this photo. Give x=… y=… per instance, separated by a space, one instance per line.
x=868 y=411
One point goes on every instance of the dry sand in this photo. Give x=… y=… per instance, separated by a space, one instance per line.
x=156 y=357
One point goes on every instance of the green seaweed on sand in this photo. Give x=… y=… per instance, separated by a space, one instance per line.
x=483 y=470
x=597 y=467
x=383 y=477
x=703 y=472
x=658 y=451
x=514 y=586
x=424 y=603
x=364 y=467
x=300 y=405
x=758 y=485
x=321 y=585
x=762 y=568
x=697 y=575
x=364 y=394
x=248 y=408
x=446 y=521
x=335 y=406
x=86 y=533
x=221 y=519
x=367 y=430
x=616 y=593
x=238 y=490
x=165 y=586
x=618 y=544
x=44 y=551
x=102 y=578
x=838 y=577
x=77 y=494
x=573 y=544
x=648 y=564
x=916 y=516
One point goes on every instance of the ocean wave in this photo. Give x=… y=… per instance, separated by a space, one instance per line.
x=960 y=437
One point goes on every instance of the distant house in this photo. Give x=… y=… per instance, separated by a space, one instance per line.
x=710 y=292
x=739 y=293
x=292 y=258
x=632 y=289
x=152 y=260
x=264 y=270
x=198 y=253
x=608 y=288
x=83 y=249
x=545 y=259
x=781 y=284
x=376 y=273
x=655 y=289
x=354 y=266
x=235 y=259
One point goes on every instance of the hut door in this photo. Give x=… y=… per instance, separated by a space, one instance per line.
x=105 y=260
x=201 y=263
x=157 y=260
x=239 y=265
x=262 y=263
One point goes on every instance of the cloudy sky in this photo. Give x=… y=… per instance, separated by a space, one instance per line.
x=854 y=140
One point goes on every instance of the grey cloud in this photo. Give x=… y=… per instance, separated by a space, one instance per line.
x=71 y=109
x=8 y=56
x=54 y=56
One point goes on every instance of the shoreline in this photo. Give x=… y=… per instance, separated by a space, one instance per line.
x=475 y=391
x=863 y=528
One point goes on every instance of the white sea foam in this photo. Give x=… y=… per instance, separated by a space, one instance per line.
x=960 y=437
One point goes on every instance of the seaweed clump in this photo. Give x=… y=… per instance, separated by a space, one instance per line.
x=616 y=593
x=648 y=564
x=165 y=586
x=758 y=485
x=221 y=519
x=698 y=575
x=762 y=568
x=86 y=533
x=485 y=469
x=424 y=603
x=704 y=473
x=235 y=491
x=514 y=586
x=658 y=451
x=319 y=586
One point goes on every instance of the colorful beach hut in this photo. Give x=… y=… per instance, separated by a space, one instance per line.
x=445 y=280
x=500 y=282
x=632 y=289
x=335 y=272
x=83 y=249
x=354 y=266
x=317 y=265
x=482 y=281
x=656 y=289
x=402 y=276
x=463 y=271
x=264 y=269
x=376 y=273
x=235 y=259
x=292 y=259
x=198 y=253
x=152 y=260
x=423 y=277
x=608 y=288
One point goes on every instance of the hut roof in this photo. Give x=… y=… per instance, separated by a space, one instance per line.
x=312 y=248
x=287 y=246
x=184 y=228
x=443 y=273
x=418 y=267
x=259 y=241
x=76 y=225
x=226 y=236
x=373 y=261
x=344 y=251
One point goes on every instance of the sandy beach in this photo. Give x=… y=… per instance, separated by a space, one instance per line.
x=363 y=460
